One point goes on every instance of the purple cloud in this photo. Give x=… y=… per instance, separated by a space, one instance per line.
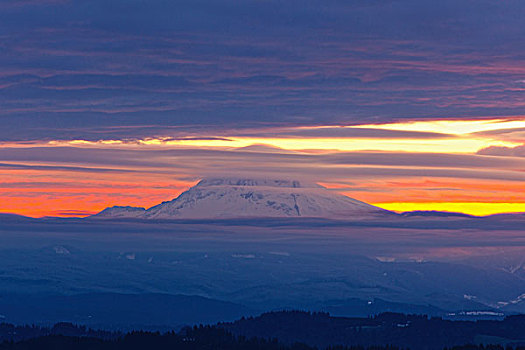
x=103 y=68
x=518 y=151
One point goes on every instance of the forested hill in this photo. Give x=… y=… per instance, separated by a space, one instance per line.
x=287 y=330
x=197 y=338
x=16 y=333
x=405 y=331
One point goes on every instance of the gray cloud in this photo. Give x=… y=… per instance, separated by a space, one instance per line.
x=513 y=135
x=195 y=163
x=518 y=151
x=339 y=132
x=61 y=168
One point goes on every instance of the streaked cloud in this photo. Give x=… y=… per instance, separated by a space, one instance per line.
x=460 y=137
x=341 y=132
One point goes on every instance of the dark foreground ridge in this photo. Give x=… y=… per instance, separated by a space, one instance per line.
x=286 y=330
x=403 y=331
x=196 y=338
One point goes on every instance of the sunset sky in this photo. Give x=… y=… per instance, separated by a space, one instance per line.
x=408 y=105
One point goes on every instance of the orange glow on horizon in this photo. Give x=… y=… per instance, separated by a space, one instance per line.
x=471 y=208
x=64 y=194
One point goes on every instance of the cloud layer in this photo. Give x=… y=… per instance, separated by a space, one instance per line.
x=126 y=69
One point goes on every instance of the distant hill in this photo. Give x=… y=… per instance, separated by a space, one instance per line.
x=14 y=218
x=118 y=311
x=435 y=213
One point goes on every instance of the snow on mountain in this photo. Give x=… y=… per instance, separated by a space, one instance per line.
x=247 y=197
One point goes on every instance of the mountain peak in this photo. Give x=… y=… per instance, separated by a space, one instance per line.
x=236 y=197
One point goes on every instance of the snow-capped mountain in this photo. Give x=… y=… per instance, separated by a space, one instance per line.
x=240 y=197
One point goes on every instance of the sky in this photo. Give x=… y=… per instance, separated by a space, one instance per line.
x=408 y=105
